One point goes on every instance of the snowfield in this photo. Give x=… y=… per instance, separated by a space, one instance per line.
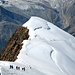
x=48 y=51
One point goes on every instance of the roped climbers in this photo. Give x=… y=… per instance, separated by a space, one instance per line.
x=19 y=68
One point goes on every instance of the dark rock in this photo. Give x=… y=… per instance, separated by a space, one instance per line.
x=14 y=45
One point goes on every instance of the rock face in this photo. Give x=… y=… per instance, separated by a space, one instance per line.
x=14 y=45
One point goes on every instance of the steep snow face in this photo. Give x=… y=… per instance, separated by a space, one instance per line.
x=48 y=49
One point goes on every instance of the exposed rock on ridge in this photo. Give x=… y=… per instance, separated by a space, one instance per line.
x=14 y=45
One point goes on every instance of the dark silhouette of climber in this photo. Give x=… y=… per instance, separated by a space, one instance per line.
x=23 y=68
x=18 y=68
x=11 y=66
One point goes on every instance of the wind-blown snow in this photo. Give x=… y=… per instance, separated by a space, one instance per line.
x=49 y=50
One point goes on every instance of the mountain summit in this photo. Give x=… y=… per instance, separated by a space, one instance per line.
x=47 y=50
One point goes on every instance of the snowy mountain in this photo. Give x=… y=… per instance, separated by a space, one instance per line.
x=48 y=51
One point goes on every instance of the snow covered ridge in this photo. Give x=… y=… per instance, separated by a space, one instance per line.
x=48 y=51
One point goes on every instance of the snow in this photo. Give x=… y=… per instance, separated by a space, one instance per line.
x=49 y=51
x=6 y=70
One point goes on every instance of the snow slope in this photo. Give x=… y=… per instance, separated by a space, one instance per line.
x=49 y=51
x=6 y=70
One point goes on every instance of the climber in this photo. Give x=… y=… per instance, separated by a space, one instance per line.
x=11 y=66
x=18 y=68
x=23 y=68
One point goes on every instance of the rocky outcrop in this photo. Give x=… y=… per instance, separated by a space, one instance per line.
x=14 y=45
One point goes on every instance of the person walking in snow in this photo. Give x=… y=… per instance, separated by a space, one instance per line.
x=18 y=68
x=23 y=68
x=11 y=66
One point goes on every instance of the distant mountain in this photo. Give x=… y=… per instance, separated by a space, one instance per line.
x=68 y=14
x=40 y=47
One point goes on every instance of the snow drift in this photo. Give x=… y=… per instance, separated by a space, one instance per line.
x=49 y=50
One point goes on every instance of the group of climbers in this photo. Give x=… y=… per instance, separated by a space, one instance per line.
x=17 y=68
